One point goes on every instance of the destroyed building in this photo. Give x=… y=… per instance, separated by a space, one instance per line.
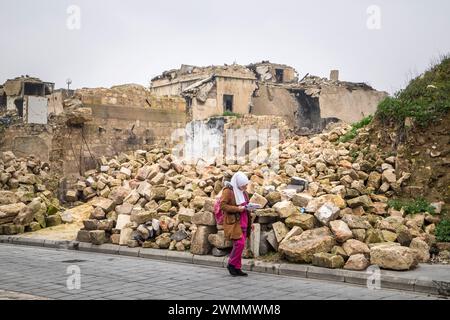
x=87 y=123
x=101 y=121
x=56 y=100
x=28 y=97
x=266 y=88
x=209 y=91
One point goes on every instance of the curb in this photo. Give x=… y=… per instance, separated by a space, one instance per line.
x=441 y=288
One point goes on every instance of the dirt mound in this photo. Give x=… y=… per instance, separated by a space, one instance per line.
x=425 y=153
x=414 y=126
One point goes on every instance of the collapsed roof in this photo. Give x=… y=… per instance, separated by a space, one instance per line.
x=261 y=72
x=13 y=87
x=225 y=70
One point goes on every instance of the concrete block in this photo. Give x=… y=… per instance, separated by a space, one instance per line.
x=106 y=248
x=208 y=260
x=28 y=241
x=64 y=244
x=156 y=254
x=393 y=282
x=51 y=243
x=266 y=267
x=325 y=274
x=85 y=246
x=4 y=239
x=177 y=256
x=293 y=270
x=130 y=252
x=356 y=277
x=432 y=287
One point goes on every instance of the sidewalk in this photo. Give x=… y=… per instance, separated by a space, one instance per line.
x=426 y=278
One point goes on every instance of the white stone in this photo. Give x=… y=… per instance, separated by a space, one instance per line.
x=122 y=221
x=326 y=213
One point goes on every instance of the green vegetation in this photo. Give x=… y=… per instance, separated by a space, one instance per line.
x=353 y=131
x=443 y=231
x=231 y=114
x=425 y=99
x=412 y=206
x=354 y=154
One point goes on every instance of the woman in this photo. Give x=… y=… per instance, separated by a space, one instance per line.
x=237 y=221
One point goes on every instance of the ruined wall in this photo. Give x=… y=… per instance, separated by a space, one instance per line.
x=129 y=117
x=206 y=140
x=55 y=102
x=267 y=72
x=349 y=105
x=241 y=89
x=209 y=108
x=252 y=132
x=25 y=139
x=114 y=128
x=325 y=101
x=128 y=95
x=10 y=103
x=165 y=87
x=309 y=110
x=276 y=101
x=260 y=122
x=308 y=117
x=290 y=75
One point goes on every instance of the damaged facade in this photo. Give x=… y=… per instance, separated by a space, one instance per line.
x=28 y=97
x=265 y=88
x=89 y=123
x=209 y=91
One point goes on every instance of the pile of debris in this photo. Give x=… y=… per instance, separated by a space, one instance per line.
x=7 y=118
x=27 y=189
x=148 y=199
x=310 y=81
x=338 y=217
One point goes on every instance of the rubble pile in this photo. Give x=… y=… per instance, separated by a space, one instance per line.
x=323 y=206
x=27 y=189
x=7 y=118
x=311 y=81
x=148 y=199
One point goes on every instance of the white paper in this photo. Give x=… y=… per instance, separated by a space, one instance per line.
x=253 y=206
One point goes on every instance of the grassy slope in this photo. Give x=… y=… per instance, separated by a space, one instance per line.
x=410 y=125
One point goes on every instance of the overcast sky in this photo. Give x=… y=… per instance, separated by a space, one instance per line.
x=134 y=40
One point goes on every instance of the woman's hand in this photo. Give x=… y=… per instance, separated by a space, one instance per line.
x=241 y=208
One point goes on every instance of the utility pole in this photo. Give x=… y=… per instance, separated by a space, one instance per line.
x=69 y=82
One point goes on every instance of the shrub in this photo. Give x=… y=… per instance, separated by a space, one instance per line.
x=443 y=231
x=231 y=114
x=353 y=131
x=412 y=207
x=425 y=99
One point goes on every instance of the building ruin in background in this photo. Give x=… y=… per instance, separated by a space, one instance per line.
x=266 y=88
x=71 y=129
x=28 y=97
x=89 y=123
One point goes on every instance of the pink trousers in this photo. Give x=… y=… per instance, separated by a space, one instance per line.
x=236 y=254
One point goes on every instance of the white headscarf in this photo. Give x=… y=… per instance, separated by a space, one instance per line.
x=239 y=179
